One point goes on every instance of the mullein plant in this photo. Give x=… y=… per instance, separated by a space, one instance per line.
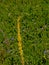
x=20 y=41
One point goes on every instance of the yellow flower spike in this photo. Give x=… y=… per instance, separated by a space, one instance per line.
x=19 y=41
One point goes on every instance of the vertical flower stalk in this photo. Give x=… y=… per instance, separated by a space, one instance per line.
x=20 y=41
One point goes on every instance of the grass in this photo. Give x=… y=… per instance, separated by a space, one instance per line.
x=34 y=30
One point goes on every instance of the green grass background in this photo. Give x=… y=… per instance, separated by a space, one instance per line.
x=34 y=31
